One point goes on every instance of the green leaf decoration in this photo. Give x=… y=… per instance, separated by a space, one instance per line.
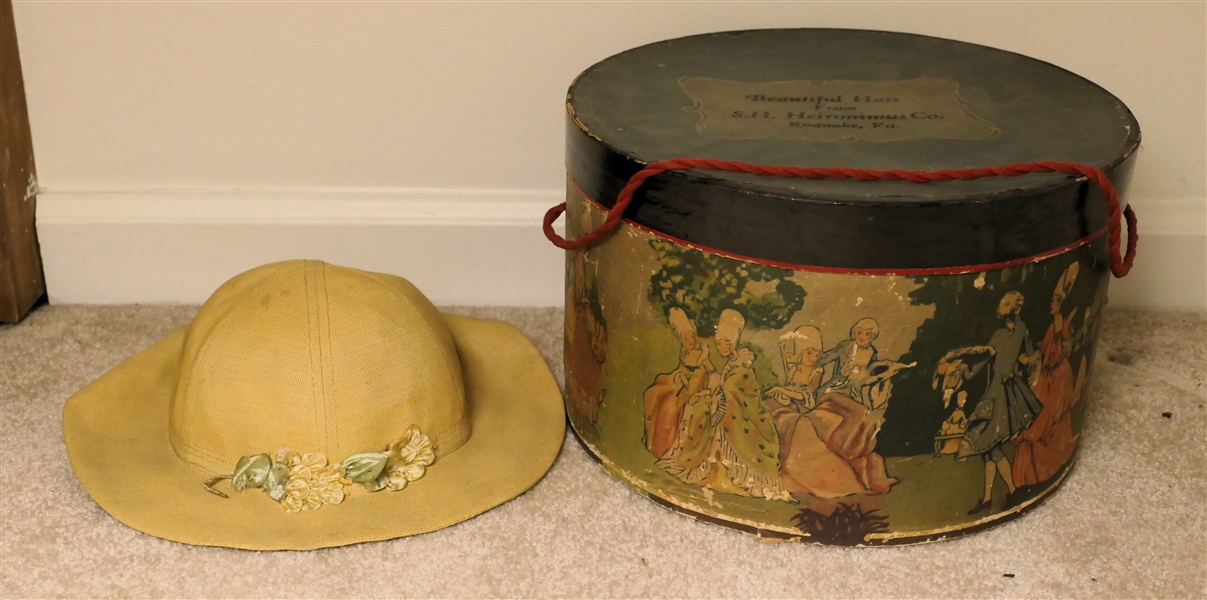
x=278 y=478
x=306 y=482
x=251 y=471
x=380 y=483
x=364 y=467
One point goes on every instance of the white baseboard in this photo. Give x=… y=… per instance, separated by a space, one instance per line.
x=461 y=247
x=1170 y=274
x=475 y=247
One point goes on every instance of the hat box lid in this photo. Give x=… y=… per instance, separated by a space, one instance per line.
x=849 y=98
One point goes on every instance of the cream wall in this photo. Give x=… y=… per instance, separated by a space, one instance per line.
x=427 y=138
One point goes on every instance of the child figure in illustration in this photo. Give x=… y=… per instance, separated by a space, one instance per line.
x=952 y=369
x=852 y=356
x=1008 y=406
x=727 y=440
x=953 y=429
x=670 y=393
x=1049 y=442
x=951 y=375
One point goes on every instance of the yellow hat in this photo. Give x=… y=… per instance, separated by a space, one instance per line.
x=309 y=405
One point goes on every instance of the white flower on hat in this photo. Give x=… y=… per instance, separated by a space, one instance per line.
x=312 y=482
x=409 y=458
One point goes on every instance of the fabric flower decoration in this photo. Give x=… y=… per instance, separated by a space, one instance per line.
x=365 y=468
x=312 y=482
x=303 y=482
x=409 y=458
x=251 y=471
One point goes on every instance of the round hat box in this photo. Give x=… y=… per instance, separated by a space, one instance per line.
x=849 y=362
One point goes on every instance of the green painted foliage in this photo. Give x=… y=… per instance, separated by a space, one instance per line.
x=965 y=315
x=703 y=285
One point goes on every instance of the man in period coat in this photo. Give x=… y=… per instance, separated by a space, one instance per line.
x=851 y=357
x=1008 y=405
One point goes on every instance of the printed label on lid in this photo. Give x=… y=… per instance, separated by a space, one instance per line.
x=834 y=110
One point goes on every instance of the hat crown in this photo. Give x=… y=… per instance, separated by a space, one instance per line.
x=317 y=358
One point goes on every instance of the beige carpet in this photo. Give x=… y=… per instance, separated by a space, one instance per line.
x=1129 y=522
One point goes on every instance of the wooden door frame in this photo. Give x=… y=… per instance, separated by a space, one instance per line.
x=22 y=283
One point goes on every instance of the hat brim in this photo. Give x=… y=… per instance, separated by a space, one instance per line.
x=116 y=431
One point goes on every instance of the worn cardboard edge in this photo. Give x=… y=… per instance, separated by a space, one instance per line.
x=772 y=534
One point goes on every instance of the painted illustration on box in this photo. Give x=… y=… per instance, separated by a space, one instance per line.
x=586 y=338
x=836 y=408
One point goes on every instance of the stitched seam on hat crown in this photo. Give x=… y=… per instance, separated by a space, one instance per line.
x=333 y=417
x=203 y=352
x=316 y=392
x=452 y=431
x=455 y=428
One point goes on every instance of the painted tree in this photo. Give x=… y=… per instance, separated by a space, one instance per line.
x=965 y=315
x=704 y=284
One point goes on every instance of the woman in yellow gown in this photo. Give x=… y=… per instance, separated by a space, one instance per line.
x=727 y=440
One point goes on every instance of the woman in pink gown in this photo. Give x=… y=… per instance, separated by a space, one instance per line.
x=665 y=399
x=827 y=444
x=1045 y=446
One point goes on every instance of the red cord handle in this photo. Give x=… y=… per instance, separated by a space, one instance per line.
x=1120 y=265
